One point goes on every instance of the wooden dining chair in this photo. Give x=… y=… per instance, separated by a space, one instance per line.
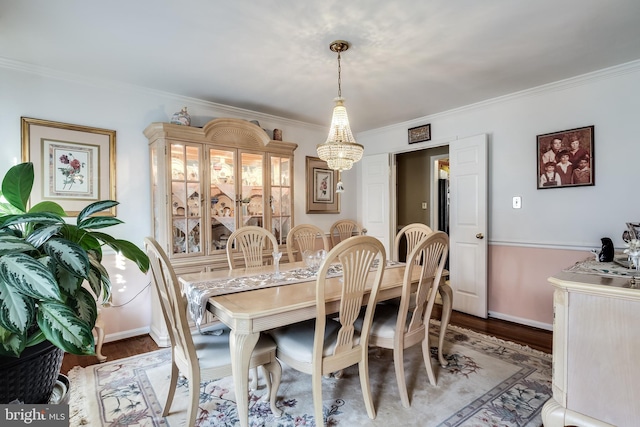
x=99 y=328
x=252 y=241
x=343 y=229
x=304 y=237
x=406 y=325
x=323 y=345
x=201 y=355
x=413 y=233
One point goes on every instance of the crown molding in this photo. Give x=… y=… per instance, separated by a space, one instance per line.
x=226 y=110
x=603 y=74
x=583 y=79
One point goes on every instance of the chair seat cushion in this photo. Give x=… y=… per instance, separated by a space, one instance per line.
x=384 y=321
x=212 y=346
x=296 y=341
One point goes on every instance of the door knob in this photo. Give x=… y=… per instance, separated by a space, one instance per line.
x=479 y=236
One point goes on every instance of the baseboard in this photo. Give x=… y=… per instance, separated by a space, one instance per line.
x=161 y=340
x=522 y=321
x=126 y=334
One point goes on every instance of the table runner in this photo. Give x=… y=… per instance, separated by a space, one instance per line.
x=198 y=293
x=609 y=269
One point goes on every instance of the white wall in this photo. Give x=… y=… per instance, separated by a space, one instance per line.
x=565 y=217
x=555 y=227
x=42 y=94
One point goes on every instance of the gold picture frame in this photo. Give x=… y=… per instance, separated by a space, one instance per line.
x=321 y=187
x=73 y=165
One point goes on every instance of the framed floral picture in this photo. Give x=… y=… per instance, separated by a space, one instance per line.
x=74 y=165
x=321 y=187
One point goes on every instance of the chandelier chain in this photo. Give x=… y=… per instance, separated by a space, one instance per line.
x=339 y=77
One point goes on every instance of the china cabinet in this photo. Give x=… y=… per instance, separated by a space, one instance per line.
x=206 y=182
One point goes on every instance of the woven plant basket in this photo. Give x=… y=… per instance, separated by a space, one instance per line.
x=31 y=377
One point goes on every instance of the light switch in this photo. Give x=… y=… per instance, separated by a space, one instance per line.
x=424 y=205
x=517 y=202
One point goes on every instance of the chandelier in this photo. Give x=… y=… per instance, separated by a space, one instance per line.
x=340 y=150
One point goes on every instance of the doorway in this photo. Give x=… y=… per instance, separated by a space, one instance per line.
x=419 y=198
x=468 y=179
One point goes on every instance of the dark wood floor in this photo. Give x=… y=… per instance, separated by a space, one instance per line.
x=538 y=339
x=535 y=338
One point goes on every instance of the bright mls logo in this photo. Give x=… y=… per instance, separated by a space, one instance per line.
x=34 y=415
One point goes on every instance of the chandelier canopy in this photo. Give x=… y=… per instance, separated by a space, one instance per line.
x=340 y=150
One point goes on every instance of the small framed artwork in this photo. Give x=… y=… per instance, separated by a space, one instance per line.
x=566 y=158
x=74 y=165
x=420 y=134
x=321 y=187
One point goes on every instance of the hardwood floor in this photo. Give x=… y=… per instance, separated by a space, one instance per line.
x=535 y=338
x=113 y=350
x=538 y=339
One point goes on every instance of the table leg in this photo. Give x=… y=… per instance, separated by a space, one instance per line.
x=242 y=346
x=446 y=293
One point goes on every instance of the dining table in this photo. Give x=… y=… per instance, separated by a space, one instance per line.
x=254 y=300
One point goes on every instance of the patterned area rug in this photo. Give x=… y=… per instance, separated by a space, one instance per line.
x=488 y=382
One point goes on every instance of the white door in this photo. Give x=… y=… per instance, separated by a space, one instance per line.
x=376 y=212
x=468 y=224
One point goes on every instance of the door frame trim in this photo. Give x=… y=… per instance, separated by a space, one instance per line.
x=435 y=189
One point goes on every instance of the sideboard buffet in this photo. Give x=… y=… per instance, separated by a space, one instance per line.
x=205 y=183
x=596 y=352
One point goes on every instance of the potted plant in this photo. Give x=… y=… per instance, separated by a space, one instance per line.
x=51 y=277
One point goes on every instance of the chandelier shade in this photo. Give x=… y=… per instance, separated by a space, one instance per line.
x=340 y=150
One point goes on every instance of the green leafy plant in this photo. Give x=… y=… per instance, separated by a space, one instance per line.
x=44 y=262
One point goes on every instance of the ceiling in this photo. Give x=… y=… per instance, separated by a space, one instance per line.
x=408 y=58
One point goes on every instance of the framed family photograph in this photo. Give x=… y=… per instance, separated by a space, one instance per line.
x=420 y=134
x=321 y=187
x=74 y=165
x=566 y=158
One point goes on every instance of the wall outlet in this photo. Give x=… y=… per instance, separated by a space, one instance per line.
x=424 y=205
x=517 y=202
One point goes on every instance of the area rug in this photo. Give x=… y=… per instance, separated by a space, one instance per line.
x=488 y=382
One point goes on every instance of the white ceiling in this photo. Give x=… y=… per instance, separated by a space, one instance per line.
x=408 y=58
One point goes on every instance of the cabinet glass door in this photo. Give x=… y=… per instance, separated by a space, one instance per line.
x=280 y=199
x=186 y=199
x=252 y=189
x=222 y=193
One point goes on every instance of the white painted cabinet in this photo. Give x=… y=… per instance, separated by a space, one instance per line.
x=596 y=352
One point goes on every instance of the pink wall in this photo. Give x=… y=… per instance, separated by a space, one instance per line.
x=518 y=286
